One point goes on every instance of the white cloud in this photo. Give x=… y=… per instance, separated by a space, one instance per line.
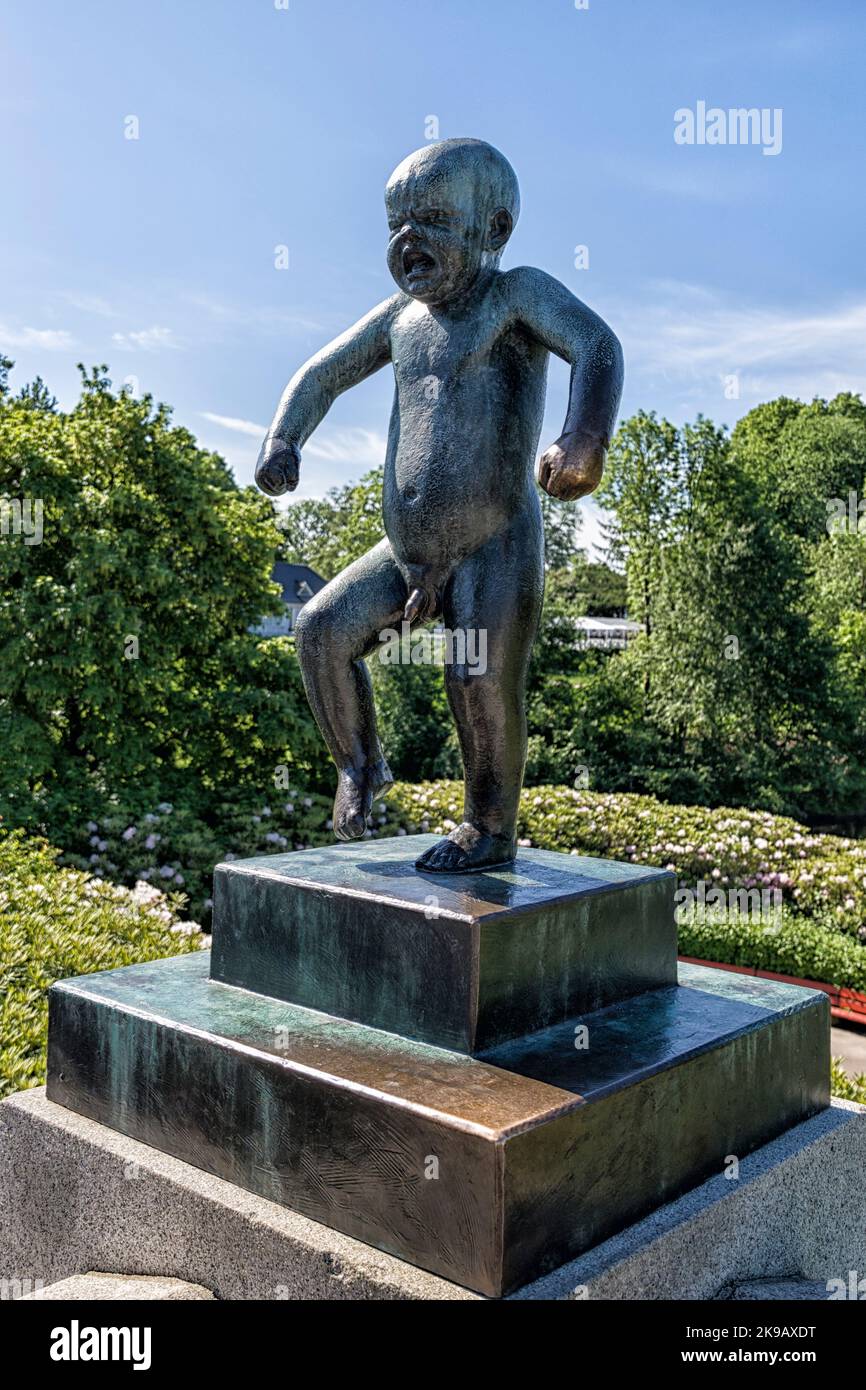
x=694 y=337
x=48 y=339
x=237 y=426
x=145 y=340
x=330 y=443
x=253 y=316
x=365 y=448
x=90 y=304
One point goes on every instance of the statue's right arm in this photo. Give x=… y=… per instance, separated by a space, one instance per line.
x=348 y=360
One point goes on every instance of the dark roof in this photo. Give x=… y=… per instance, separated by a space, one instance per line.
x=294 y=579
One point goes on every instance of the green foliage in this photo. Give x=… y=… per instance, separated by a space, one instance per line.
x=176 y=848
x=606 y=591
x=784 y=943
x=641 y=486
x=820 y=876
x=330 y=532
x=846 y=1087
x=129 y=669
x=748 y=685
x=56 y=922
x=562 y=525
x=415 y=723
x=800 y=457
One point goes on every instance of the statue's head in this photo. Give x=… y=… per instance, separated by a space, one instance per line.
x=451 y=208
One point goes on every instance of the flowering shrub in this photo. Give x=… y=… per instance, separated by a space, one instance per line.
x=56 y=922
x=817 y=875
x=175 y=849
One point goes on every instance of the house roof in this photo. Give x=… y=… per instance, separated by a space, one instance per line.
x=298 y=582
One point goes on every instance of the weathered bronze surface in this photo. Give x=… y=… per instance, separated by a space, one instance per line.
x=463 y=962
x=487 y=1170
x=469 y=347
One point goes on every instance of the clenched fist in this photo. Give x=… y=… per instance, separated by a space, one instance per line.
x=278 y=466
x=573 y=466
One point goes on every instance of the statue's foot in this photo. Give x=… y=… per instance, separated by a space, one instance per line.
x=467 y=850
x=356 y=792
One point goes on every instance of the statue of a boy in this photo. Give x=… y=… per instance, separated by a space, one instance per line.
x=469 y=346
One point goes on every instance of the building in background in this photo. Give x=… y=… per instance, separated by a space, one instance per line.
x=299 y=584
x=608 y=634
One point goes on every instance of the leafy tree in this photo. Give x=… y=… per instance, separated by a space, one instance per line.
x=605 y=590
x=329 y=533
x=129 y=666
x=802 y=457
x=562 y=527
x=415 y=723
x=641 y=488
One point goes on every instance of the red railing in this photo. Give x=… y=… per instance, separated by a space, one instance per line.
x=848 y=1005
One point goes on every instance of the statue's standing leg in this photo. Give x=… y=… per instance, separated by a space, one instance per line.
x=494 y=597
x=333 y=634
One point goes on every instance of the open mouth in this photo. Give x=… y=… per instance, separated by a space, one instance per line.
x=417 y=263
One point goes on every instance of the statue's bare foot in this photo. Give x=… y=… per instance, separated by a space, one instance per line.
x=356 y=792
x=467 y=850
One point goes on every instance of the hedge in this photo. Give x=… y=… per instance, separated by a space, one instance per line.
x=820 y=876
x=817 y=875
x=56 y=922
x=789 y=946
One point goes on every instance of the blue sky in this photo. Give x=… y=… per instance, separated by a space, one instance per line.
x=261 y=127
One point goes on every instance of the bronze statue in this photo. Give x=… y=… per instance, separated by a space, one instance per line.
x=464 y=542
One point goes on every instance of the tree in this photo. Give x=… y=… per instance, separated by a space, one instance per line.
x=329 y=533
x=129 y=665
x=803 y=458
x=641 y=488
x=605 y=590
x=742 y=695
x=562 y=527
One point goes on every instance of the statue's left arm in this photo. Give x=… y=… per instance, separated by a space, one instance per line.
x=573 y=466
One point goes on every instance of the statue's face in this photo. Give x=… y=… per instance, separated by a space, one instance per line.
x=438 y=233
